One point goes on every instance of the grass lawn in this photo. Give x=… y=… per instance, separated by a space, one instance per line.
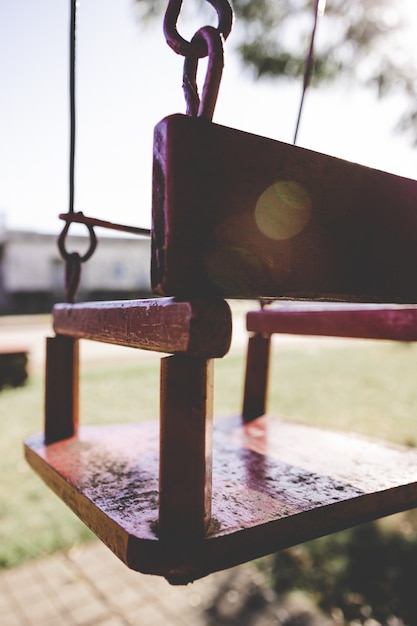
x=368 y=387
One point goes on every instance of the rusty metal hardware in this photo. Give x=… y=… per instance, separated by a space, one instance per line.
x=80 y=218
x=207 y=41
x=204 y=107
x=194 y=48
x=61 y=242
x=73 y=261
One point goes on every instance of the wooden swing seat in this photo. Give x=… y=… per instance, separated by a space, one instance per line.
x=274 y=483
x=171 y=498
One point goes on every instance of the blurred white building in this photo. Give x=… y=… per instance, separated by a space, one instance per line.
x=32 y=272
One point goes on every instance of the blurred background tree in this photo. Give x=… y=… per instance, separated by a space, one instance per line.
x=369 y=42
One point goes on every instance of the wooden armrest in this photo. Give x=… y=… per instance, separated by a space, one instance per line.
x=337 y=320
x=195 y=328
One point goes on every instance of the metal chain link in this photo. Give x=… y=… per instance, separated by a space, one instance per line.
x=207 y=41
x=204 y=107
x=195 y=48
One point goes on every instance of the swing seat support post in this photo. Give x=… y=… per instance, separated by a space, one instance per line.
x=185 y=476
x=61 y=388
x=256 y=377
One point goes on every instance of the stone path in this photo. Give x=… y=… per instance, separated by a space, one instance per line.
x=89 y=586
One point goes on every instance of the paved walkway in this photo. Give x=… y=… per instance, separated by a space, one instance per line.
x=89 y=586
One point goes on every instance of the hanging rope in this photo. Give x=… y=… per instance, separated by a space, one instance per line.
x=74 y=260
x=73 y=31
x=207 y=41
x=319 y=7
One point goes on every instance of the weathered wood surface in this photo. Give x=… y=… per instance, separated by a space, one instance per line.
x=369 y=322
x=61 y=388
x=275 y=484
x=244 y=216
x=256 y=377
x=185 y=446
x=197 y=327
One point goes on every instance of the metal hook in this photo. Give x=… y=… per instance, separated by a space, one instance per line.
x=213 y=42
x=194 y=48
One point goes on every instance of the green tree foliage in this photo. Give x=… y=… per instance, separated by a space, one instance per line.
x=368 y=42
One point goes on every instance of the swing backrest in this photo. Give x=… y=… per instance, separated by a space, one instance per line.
x=242 y=216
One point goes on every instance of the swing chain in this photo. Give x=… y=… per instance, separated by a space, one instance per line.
x=204 y=107
x=207 y=41
x=195 y=47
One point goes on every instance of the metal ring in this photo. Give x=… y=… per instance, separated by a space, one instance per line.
x=91 y=249
x=194 y=48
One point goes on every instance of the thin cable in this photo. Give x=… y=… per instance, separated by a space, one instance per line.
x=319 y=7
x=73 y=24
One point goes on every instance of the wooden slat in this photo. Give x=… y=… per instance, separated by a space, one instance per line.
x=185 y=447
x=244 y=216
x=61 y=388
x=369 y=322
x=196 y=328
x=275 y=484
x=256 y=377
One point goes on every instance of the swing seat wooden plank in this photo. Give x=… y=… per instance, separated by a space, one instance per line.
x=390 y=322
x=159 y=324
x=275 y=484
x=239 y=215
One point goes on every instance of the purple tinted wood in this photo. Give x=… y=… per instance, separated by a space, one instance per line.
x=396 y=323
x=185 y=446
x=244 y=216
x=61 y=388
x=275 y=484
x=256 y=377
x=197 y=327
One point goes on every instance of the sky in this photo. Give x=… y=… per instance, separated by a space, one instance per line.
x=127 y=80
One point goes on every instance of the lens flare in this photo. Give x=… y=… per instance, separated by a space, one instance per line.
x=283 y=210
